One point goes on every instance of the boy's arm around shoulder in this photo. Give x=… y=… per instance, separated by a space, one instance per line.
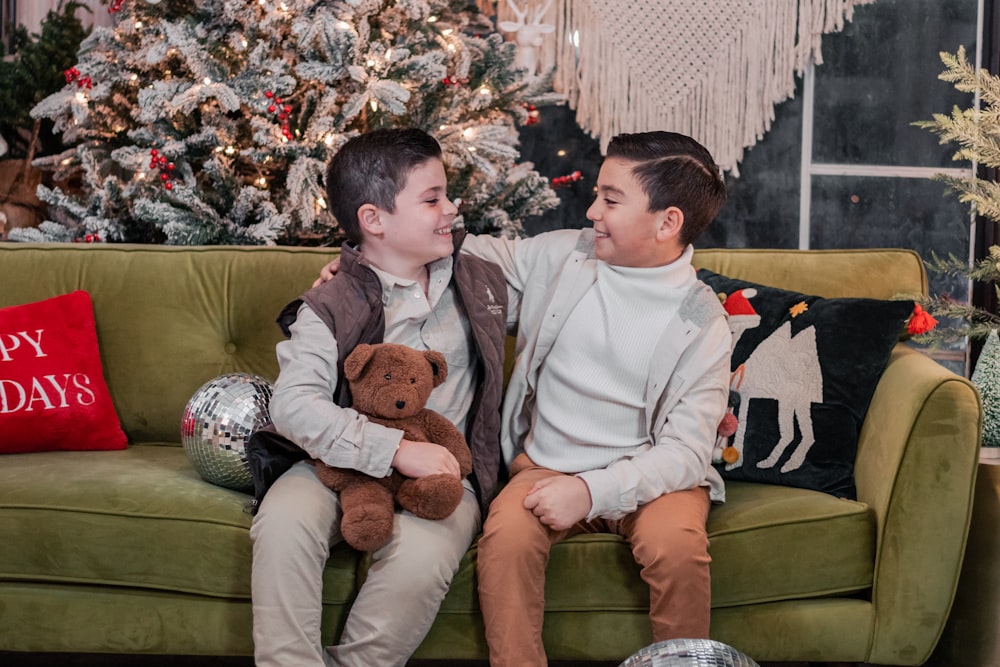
x=681 y=454
x=524 y=259
x=528 y=264
x=302 y=406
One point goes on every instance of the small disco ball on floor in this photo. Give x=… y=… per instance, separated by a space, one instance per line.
x=217 y=423
x=688 y=653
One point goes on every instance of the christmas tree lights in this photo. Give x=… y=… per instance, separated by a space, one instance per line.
x=211 y=121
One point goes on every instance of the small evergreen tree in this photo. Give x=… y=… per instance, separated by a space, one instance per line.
x=211 y=121
x=977 y=133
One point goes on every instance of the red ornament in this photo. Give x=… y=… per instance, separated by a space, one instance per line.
x=560 y=181
x=271 y=108
x=268 y=94
x=168 y=185
x=115 y=6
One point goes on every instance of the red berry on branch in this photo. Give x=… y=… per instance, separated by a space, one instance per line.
x=171 y=167
x=154 y=152
x=288 y=108
x=268 y=94
x=163 y=177
x=271 y=109
x=168 y=185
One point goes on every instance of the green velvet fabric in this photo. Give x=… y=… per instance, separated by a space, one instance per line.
x=131 y=552
x=872 y=274
x=139 y=518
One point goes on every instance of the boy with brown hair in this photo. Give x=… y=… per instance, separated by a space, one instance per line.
x=621 y=379
x=401 y=280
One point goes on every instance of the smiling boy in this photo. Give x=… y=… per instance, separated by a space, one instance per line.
x=401 y=281
x=620 y=382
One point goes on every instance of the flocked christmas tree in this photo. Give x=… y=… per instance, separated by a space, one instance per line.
x=986 y=377
x=211 y=121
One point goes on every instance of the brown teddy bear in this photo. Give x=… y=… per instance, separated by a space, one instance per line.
x=390 y=384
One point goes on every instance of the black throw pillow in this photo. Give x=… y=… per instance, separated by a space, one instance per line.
x=804 y=370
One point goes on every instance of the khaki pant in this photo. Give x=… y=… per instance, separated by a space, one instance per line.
x=292 y=533
x=669 y=541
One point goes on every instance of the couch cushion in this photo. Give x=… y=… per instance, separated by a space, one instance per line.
x=768 y=543
x=169 y=318
x=52 y=390
x=139 y=518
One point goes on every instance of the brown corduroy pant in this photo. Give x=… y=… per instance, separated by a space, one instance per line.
x=669 y=541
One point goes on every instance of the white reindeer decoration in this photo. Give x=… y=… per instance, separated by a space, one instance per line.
x=529 y=34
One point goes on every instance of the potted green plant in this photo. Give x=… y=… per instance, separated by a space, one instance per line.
x=33 y=70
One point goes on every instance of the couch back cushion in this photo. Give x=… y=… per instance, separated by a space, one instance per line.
x=171 y=318
x=168 y=318
x=869 y=273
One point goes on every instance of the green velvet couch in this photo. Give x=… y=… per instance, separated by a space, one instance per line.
x=131 y=551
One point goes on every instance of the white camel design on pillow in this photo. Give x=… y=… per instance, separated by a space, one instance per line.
x=784 y=368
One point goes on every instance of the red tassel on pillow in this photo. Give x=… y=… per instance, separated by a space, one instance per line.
x=921 y=321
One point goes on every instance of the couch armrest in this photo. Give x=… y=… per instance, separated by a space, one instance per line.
x=916 y=467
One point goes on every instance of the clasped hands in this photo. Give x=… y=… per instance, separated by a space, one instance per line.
x=559 y=502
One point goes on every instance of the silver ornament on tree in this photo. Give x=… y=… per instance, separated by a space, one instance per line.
x=688 y=653
x=986 y=377
x=218 y=421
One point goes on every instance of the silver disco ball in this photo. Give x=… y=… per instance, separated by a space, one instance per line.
x=217 y=423
x=688 y=653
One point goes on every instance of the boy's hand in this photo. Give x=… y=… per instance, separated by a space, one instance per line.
x=327 y=272
x=559 y=502
x=420 y=459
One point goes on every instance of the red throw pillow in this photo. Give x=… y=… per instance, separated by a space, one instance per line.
x=52 y=390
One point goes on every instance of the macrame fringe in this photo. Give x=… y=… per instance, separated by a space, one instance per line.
x=729 y=106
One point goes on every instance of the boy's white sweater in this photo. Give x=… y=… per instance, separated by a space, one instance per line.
x=592 y=387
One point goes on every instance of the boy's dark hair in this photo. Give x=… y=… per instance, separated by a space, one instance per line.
x=372 y=168
x=674 y=170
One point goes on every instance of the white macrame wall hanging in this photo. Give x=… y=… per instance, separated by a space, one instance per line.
x=713 y=70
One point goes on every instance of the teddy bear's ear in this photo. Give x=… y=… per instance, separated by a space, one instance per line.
x=438 y=365
x=356 y=361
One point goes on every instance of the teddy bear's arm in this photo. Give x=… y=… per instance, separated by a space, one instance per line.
x=442 y=432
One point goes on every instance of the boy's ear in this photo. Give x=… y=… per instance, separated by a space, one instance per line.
x=369 y=219
x=671 y=223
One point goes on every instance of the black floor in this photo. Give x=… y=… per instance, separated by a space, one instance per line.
x=12 y=659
